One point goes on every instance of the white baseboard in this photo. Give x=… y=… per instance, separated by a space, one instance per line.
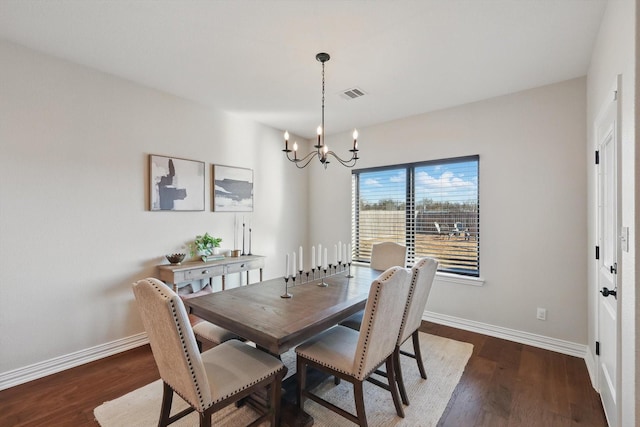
x=61 y=363
x=58 y=364
x=540 y=341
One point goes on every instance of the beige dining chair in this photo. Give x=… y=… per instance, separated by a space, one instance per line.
x=384 y=255
x=353 y=356
x=207 y=381
x=207 y=332
x=422 y=275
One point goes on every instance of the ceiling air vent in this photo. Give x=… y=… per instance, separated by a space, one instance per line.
x=352 y=93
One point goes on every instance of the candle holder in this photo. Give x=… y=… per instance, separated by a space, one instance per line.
x=286 y=289
x=249 y=253
x=330 y=267
x=243 y=254
x=307 y=276
x=313 y=273
x=349 y=276
x=300 y=274
x=322 y=283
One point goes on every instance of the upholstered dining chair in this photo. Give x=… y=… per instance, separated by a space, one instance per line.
x=207 y=381
x=384 y=255
x=205 y=331
x=354 y=356
x=422 y=275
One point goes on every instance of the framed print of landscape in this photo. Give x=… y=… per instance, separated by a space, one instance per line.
x=232 y=189
x=176 y=184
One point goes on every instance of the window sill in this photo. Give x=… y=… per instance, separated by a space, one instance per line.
x=459 y=279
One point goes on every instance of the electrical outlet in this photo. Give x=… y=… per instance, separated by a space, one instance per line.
x=541 y=314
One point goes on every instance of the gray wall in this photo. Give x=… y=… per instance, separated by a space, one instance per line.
x=532 y=203
x=75 y=231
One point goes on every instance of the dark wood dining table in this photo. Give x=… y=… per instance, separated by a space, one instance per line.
x=257 y=312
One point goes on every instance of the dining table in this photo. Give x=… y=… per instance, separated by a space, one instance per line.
x=259 y=313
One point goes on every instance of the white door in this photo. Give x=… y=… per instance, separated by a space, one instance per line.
x=608 y=223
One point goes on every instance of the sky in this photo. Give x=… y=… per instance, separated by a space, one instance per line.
x=453 y=182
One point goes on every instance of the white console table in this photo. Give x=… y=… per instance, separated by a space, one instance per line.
x=173 y=274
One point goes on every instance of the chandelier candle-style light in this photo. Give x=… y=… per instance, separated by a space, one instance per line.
x=322 y=152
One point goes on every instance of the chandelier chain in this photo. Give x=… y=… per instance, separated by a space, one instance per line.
x=322 y=124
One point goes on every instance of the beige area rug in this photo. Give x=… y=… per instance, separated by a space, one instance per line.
x=444 y=359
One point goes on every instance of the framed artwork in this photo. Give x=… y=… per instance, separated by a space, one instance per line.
x=176 y=184
x=232 y=189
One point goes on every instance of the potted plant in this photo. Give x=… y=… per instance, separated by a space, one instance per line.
x=204 y=245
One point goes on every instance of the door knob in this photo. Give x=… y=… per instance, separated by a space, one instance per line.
x=606 y=292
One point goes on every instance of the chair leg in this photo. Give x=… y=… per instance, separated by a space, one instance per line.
x=416 y=351
x=165 y=410
x=359 y=396
x=393 y=385
x=205 y=419
x=276 y=395
x=399 y=379
x=301 y=372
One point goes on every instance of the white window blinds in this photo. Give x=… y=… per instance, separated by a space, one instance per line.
x=431 y=207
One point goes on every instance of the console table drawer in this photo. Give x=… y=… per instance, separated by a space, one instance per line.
x=244 y=266
x=203 y=273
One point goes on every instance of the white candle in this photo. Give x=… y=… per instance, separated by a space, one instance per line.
x=313 y=257
x=301 y=263
x=286 y=269
x=324 y=265
x=345 y=257
x=349 y=254
x=339 y=251
x=319 y=255
x=335 y=254
x=293 y=272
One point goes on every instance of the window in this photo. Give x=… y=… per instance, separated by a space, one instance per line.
x=431 y=207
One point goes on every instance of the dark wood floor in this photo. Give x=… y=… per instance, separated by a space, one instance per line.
x=504 y=384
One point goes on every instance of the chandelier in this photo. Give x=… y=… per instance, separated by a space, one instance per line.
x=321 y=151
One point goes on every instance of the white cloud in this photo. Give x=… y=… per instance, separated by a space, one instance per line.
x=399 y=177
x=447 y=187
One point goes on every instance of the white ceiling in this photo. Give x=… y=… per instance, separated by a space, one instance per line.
x=257 y=58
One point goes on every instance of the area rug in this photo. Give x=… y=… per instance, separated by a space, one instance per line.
x=444 y=361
